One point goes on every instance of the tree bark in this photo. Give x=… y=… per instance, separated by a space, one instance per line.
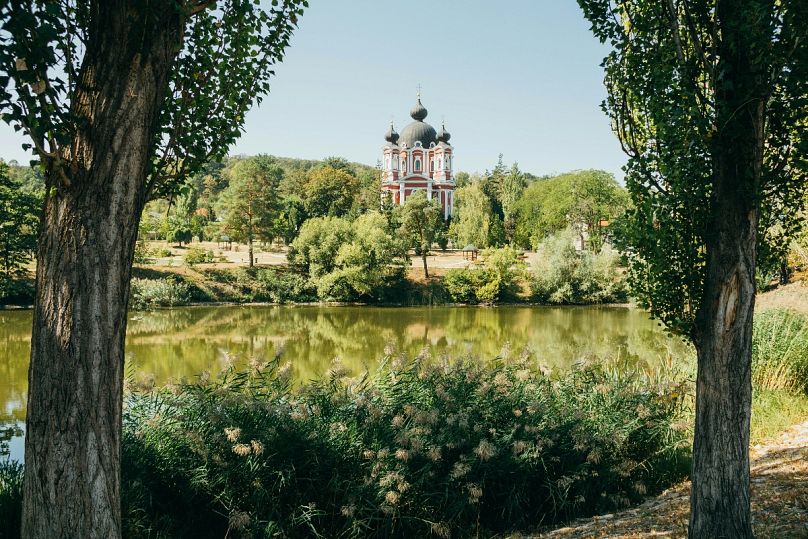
x=423 y=259
x=720 y=502
x=84 y=260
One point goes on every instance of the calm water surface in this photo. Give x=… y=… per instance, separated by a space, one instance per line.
x=177 y=344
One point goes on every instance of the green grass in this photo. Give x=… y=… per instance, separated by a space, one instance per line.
x=780 y=351
x=774 y=412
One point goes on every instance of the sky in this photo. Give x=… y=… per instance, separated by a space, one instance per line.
x=516 y=77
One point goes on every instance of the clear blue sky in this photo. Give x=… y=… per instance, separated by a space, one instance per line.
x=518 y=77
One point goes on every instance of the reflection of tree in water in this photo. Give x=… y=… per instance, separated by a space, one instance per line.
x=8 y=431
x=15 y=349
x=182 y=343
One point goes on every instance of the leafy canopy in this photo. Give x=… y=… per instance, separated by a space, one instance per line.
x=229 y=50
x=661 y=78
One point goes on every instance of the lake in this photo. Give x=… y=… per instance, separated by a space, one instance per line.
x=179 y=344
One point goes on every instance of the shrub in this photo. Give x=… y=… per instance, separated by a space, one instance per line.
x=10 y=498
x=780 y=351
x=496 y=280
x=562 y=275
x=195 y=255
x=348 y=261
x=273 y=285
x=463 y=284
x=142 y=253
x=151 y=293
x=410 y=452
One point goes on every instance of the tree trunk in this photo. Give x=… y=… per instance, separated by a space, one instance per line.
x=250 y=248
x=84 y=260
x=423 y=259
x=720 y=504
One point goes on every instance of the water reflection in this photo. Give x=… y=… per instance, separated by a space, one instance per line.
x=181 y=343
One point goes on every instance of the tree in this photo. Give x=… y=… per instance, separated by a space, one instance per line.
x=19 y=219
x=709 y=100
x=473 y=217
x=251 y=203
x=330 y=191
x=315 y=249
x=121 y=100
x=577 y=199
x=365 y=262
x=421 y=219
x=513 y=183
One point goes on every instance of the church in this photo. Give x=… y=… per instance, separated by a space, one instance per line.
x=418 y=159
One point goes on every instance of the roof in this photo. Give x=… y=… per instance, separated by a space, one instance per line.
x=418 y=131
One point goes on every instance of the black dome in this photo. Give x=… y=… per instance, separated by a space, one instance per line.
x=443 y=135
x=418 y=112
x=391 y=136
x=418 y=131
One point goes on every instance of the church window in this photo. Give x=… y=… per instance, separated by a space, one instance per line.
x=418 y=165
x=431 y=165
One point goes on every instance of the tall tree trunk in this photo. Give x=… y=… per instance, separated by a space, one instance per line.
x=84 y=260
x=250 y=249
x=720 y=504
x=426 y=270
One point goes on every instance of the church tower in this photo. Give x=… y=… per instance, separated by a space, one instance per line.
x=418 y=159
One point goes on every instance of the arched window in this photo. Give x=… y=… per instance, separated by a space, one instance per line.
x=431 y=165
x=404 y=166
x=417 y=164
x=387 y=164
x=440 y=162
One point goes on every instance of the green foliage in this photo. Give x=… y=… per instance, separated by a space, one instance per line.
x=251 y=203
x=19 y=222
x=195 y=255
x=780 y=351
x=462 y=450
x=225 y=59
x=495 y=281
x=421 y=220
x=576 y=199
x=315 y=249
x=562 y=275
x=142 y=253
x=177 y=230
x=669 y=106
x=473 y=221
x=348 y=260
x=330 y=191
x=151 y=293
x=275 y=285
x=11 y=476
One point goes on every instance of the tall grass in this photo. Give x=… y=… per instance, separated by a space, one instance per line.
x=413 y=451
x=780 y=351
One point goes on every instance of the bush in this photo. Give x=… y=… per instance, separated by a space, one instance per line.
x=276 y=286
x=463 y=284
x=195 y=255
x=10 y=498
x=151 y=293
x=780 y=351
x=142 y=253
x=462 y=450
x=495 y=281
x=562 y=275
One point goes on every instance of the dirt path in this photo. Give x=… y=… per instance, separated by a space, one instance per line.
x=779 y=499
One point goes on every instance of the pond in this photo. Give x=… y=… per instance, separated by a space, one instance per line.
x=179 y=344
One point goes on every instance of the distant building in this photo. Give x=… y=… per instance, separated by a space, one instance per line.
x=418 y=159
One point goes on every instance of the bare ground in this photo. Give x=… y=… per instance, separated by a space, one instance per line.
x=779 y=500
